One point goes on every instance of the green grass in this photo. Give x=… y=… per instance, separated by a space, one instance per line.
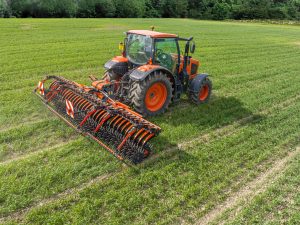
x=280 y=204
x=255 y=73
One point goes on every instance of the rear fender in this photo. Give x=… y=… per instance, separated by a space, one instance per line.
x=142 y=72
x=118 y=65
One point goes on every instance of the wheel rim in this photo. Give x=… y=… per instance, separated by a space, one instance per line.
x=204 y=92
x=156 y=96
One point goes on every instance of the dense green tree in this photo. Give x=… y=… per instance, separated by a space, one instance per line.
x=130 y=8
x=104 y=8
x=196 y=8
x=175 y=8
x=86 y=8
x=293 y=9
x=220 y=11
x=201 y=9
x=4 y=9
x=64 y=8
x=43 y=8
x=96 y=8
x=151 y=10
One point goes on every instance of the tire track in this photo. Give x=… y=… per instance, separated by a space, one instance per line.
x=249 y=191
x=19 y=215
x=18 y=157
x=219 y=132
x=232 y=128
x=29 y=123
x=75 y=190
x=222 y=131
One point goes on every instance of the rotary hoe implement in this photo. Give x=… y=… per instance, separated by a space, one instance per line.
x=150 y=74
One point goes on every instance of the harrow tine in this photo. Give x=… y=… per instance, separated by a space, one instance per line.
x=113 y=125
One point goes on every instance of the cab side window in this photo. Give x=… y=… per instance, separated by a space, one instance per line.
x=166 y=53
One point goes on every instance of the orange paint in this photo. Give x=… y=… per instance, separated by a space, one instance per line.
x=148 y=138
x=197 y=63
x=99 y=84
x=143 y=135
x=204 y=92
x=119 y=59
x=153 y=34
x=138 y=133
x=146 y=68
x=156 y=96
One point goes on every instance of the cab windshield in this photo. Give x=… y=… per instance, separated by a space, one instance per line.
x=138 y=48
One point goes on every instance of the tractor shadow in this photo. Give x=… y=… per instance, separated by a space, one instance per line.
x=185 y=123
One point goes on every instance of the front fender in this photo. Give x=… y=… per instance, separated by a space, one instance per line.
x=195 y=83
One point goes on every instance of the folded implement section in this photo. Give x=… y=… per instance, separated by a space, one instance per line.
x=110 y=123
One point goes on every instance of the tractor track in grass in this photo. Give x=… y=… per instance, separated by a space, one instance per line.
x=226 y=55
x=250 y=81
x=41 y=75
x=220 y=132
x=75 y=190
x=67 y=63
x=38 y=47
x=230 y=137
x=38 y=51
x=251 y=189
x=202 y=138
x=25 y=124
x=28 y=70
x=18 y=157
x=232 y=128
x=283 y=103
x=18 y=215
x=186 y=102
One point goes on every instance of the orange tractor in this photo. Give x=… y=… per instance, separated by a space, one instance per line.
x=149 y=75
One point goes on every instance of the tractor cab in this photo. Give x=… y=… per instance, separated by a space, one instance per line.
x=150 y=47
x=146 y=47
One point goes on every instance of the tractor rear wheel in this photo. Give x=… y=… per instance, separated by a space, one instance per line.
x=151 y=96
x=202 y=95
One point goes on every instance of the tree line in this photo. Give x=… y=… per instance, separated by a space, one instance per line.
x=199 y=9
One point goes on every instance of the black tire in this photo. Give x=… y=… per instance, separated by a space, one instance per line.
x=110 y=76
x=195 y=95
x=138 y=90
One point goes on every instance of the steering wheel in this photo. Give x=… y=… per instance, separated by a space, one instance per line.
x=159 y=51
x=164 y=58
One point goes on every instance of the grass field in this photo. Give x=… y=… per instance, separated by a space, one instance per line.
x=234 y=160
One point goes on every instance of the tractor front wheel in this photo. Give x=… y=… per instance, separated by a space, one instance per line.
x=151 y=96
x=202 y=94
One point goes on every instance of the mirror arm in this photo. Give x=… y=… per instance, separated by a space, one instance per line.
x=185 y=61
x=192 y=47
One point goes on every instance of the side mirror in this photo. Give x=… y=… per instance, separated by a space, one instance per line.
x=192 y=47
x=121 y=46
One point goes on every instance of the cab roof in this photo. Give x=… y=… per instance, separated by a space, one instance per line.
x=153 y=34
